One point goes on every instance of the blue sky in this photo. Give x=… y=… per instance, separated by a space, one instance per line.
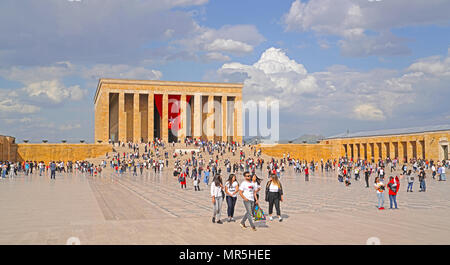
x=332 y=64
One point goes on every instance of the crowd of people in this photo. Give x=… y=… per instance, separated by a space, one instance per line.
x=210 y=161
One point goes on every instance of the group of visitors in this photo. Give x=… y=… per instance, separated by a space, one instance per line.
x=248 y=191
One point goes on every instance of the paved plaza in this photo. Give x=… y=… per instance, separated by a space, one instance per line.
x=152 y=209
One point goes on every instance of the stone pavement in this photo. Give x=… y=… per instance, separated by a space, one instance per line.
x=153 y=209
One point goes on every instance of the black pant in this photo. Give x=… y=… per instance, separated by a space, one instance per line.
x=53 y=174
x=367 y=182
x=274 y=199
x=197 y=188
x=183 y=185
x=231 y=202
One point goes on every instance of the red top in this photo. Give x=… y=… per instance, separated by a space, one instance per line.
x=183 y=178
x=391 y=192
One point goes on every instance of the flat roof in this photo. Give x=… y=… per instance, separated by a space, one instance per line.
x=385 y=132
x=237 y=86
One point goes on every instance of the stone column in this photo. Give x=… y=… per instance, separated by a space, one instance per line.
x=386 y=149
x=401 y=156
x=183 y=118
x=238 y=119
x=419 y=149
x=377 y=151
x=150 y=116
x=363 y=150
x=136 y=119
x=224 y=118
x=197 y=122
x=122 y=118
x=370 y=151
x=210 y=118
x=104 y=134
x=409 y=149
x=165 y=118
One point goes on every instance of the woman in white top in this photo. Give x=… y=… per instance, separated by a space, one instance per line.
x=231 y=190
x=217 y=198
x=274 y=194
x=257 y=182
x=379 y=186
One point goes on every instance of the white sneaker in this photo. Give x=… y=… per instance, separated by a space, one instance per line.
x=271 y=218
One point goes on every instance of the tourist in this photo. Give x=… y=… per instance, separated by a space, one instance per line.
x=366 y=176
x=423 y=186
x=182 y=179
x=257 y=182
x=306 y=174
x=247 y=190
x=217 y=198
x=274 y=194
x=196 y=183
x=433 y=171
x=231 y=190
x=52 y=170
x=410 y=180
x=393 y=188
x=379 y=187
x=442 y=176
x=206 y=177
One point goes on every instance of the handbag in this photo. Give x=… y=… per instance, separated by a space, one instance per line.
x=258 y=213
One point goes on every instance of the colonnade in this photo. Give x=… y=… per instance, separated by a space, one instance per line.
x=403 y=148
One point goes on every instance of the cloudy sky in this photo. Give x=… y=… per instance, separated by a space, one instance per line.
x=332 y=64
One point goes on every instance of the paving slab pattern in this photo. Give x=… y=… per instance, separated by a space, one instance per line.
x=153 y=209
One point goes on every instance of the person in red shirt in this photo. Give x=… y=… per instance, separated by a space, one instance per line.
x=183 y=179
x=394 y=185
x=306 y=174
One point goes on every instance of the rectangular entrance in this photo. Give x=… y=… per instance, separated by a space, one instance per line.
x=114 y=117
x=157 y=116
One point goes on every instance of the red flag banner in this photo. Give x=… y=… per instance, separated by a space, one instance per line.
x=158 y=103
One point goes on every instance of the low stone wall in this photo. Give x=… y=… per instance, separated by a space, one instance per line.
x=60 y=152
x=299 y=151
x=7 y=148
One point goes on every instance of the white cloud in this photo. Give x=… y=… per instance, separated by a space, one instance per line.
x=351 y=20
x=433 y=65
x=339 y=92
x=11 y=106
x=68 y=127
x=228 y=45
x=274 y=61
x=368 y=112
x=233 y=39
x=93 y=31
x=217 y=56
x=120 y=71
x=54 y=90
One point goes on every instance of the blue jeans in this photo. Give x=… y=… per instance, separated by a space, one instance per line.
x=410 y=186
x=380 y=199
x=423 y=186
x=393 y=199
x=231 y=202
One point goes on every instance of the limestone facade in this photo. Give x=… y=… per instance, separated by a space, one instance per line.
x=60 y=152
x=127 y=110
x=8 y=148
x=10 y=151
x=426 y=145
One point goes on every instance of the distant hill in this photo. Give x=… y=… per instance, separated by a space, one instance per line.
x=307 y=139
